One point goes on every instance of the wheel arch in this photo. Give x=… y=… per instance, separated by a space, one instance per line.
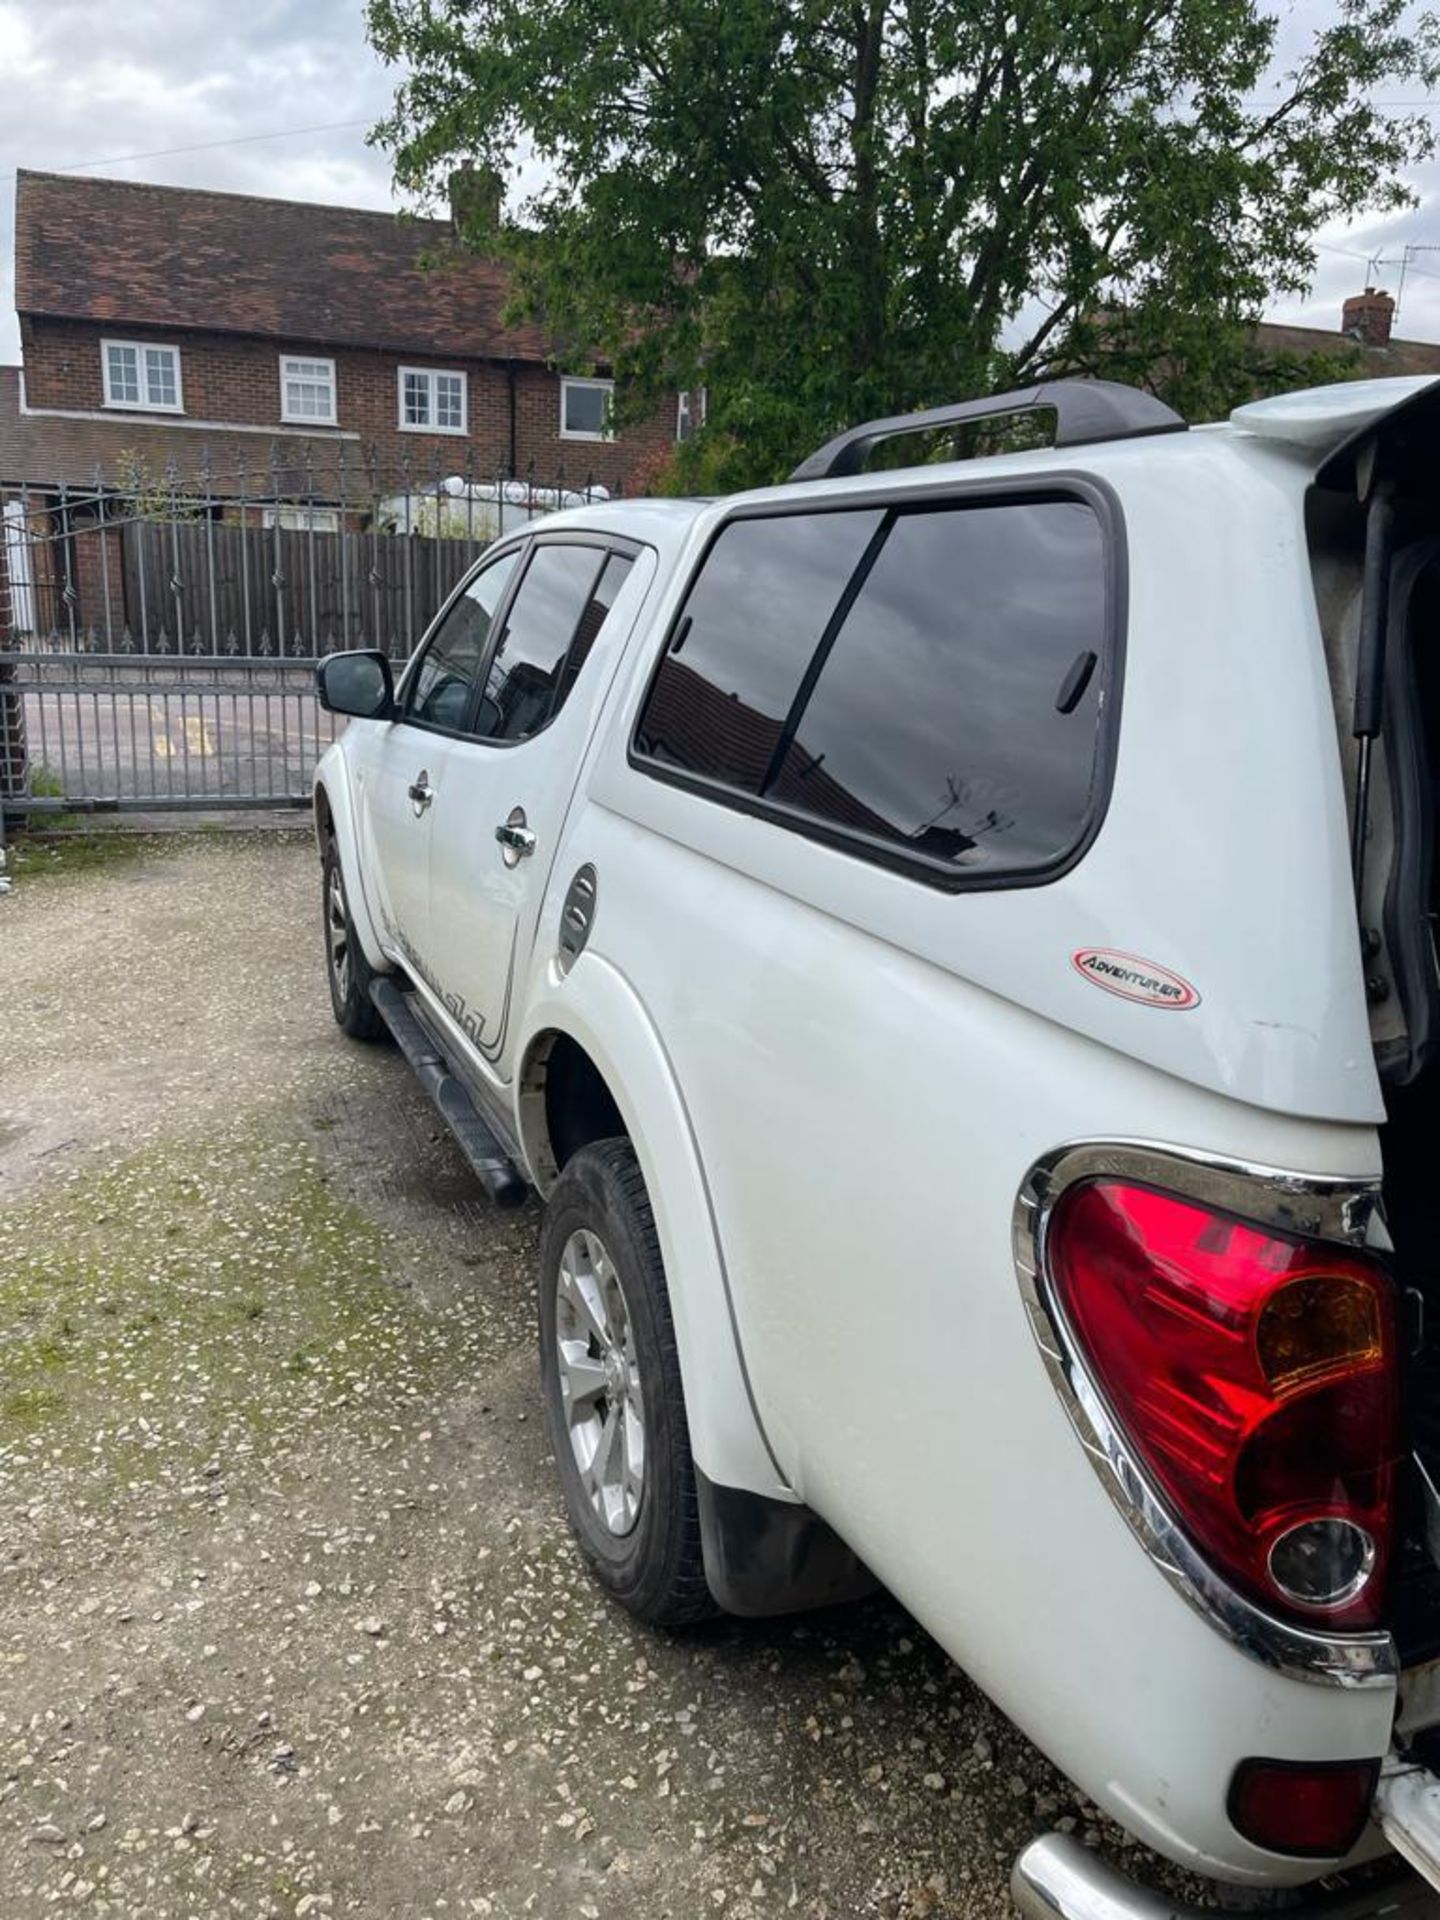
x=334 y=819
x=324 y=815
x=565 y=1104
x=592 y=1030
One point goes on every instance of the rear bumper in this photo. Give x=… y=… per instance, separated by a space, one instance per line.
x=1056 y=1878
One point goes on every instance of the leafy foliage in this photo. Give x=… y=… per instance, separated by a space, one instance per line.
x=827 y=210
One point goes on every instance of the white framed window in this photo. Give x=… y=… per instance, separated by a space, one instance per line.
x=690 y=404
x=307 y=389
x=301 y=519
x=432 y=400
x=585 y=409
x=138 y=374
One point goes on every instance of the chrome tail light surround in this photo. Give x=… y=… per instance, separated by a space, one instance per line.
x=1311 y=1206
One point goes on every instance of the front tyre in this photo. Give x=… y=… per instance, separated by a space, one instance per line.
x=346 y=968
x=613 y=1397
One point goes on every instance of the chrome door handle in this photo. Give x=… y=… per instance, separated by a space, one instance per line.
x=515 y=837
x=421 y=793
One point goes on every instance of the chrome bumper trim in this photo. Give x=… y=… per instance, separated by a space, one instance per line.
x=1056 y=1878
x=1315 y=1206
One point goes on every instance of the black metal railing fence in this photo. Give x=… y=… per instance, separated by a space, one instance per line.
x=158 y=632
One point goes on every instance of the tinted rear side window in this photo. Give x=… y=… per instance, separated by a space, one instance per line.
x=525 y=669
x=597 y=612
x=750 y=625
x=948 y=711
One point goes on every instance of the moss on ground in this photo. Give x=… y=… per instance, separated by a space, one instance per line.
x=36 y=853
x=199 y=1301
x=31 y=856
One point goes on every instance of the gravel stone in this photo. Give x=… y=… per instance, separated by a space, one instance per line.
x=267 y=1342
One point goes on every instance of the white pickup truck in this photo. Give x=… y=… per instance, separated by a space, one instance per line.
x=952 y=947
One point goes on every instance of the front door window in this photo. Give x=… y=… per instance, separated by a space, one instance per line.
x=440 y=691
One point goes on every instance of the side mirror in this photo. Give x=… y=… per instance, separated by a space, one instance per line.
x=356 y=683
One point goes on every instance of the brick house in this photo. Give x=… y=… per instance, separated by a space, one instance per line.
x=164 y=321
x=1366 y=323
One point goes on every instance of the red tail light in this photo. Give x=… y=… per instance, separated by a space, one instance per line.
x=1316 y=1808
x=1255 y=1376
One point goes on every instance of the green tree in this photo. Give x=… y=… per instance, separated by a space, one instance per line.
x=826 y=210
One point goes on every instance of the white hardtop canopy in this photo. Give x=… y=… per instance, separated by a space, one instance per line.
x=1320 y=419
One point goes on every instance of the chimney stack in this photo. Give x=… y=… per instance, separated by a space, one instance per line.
x=477 y=195
x=1367 y=317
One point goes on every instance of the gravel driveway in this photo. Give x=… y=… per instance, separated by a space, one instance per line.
x=289 y=1619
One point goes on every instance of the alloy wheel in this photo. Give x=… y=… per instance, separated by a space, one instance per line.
x=599 y=1377
x=337 y=934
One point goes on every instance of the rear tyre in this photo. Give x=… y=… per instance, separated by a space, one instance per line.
x=613 y=1397
x=346 y=967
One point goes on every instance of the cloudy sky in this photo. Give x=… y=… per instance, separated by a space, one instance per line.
x=87 y=81
x=274 y=97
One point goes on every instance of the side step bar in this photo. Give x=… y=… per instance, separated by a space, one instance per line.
x=492 y=1166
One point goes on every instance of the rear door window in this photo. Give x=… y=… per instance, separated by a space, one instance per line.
x=597 y=611
x=526 y=670
x=937 y=704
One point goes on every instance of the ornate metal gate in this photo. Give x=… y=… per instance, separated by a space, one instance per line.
x=158 y=640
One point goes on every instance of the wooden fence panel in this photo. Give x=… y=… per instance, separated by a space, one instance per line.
x=207 y=586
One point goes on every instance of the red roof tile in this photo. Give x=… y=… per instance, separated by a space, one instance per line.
x=122 y=250
x=1397 y=357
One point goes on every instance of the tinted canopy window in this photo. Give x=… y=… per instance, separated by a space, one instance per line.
x=948 y=710
x=751 y=623
x=935 y=719
x=525 y=673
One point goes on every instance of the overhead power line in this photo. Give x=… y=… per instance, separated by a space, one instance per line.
x=1278 y=98
x=201 y=146
x=341 y=126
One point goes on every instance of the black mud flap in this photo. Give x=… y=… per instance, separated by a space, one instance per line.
x=766 y=1556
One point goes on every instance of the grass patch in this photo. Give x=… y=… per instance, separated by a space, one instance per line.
x=36 y=852
x=26 y=1408
x=31 y=855
x=201 y=1303
x=46 y=784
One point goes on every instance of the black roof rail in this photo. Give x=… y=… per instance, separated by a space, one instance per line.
x=1085 y=410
